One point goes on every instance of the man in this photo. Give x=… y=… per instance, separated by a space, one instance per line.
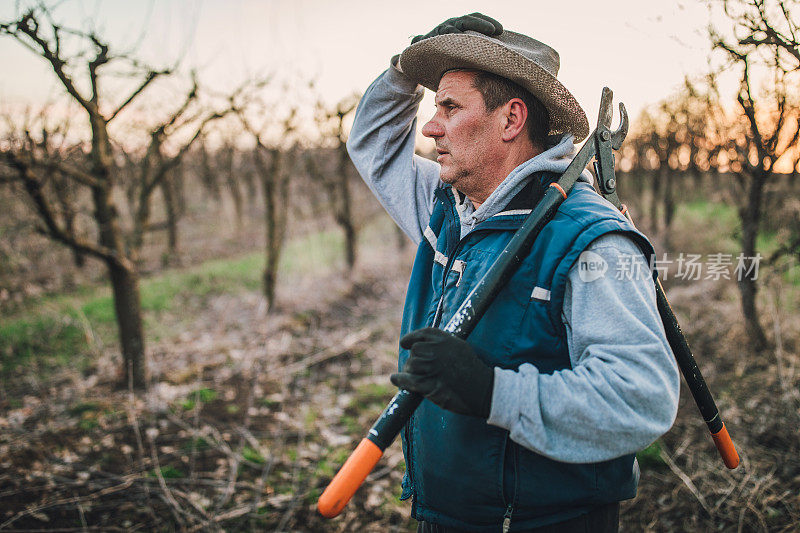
x=533 y=422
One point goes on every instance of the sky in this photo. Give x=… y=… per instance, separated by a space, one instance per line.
x=641 y=50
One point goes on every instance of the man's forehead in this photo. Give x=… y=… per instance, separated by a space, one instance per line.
x=456 y=82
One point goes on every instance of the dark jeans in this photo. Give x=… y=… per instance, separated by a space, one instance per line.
x=604 y=519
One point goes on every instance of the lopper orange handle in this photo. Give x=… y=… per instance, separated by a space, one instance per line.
x=725 y=446
x=346 y=482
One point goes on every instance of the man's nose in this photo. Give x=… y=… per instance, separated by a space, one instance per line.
x=433 y=129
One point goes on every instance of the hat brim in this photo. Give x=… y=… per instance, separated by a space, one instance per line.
x=429 y=59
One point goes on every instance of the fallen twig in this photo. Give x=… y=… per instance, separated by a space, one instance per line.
x=345 y=347
x=686 y=480
x=67 y=501
x=168 y=497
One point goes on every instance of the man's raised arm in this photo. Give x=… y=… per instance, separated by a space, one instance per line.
x=381 y=145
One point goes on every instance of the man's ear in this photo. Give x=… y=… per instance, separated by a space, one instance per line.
x=515 y=113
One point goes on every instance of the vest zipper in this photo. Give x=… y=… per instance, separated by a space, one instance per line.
x=450 y=259
x=459 y=266
x=509 y=454
x=410 y=465
x=507 y=518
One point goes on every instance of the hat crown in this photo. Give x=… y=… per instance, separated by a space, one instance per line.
x=528 y=47
x=527 y=62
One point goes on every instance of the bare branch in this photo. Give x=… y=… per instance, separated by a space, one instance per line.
x=28 y=26
x=151 y=76
x=72 y=172
x=100 y=59
x=34 y=187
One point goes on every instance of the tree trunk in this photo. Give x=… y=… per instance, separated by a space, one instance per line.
x=233 y=185
x=249 y=179
x=125 y=285
x=128 y=308
x=275 y=188
x=172 y=211
x=208 y=176
x=344 y=216
x=350 y=237
x=272 y=244
x=178 y=190
x=750 y=216
x=654 y=191
x=140 y=222
x=236 y=196
x=668 y=178
x=66 y=199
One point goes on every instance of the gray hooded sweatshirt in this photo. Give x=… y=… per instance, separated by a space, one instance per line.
x=622 y=390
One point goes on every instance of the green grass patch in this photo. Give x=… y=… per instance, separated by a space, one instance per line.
x=351 y=424
x=90 y=413
x=252 y=455
x=714 y=227
x=312 y=496
x=79 y=409
x=197 y=444
x=269 y=402
x=45 y=341
x=376 y=392
x=212 y=277
x=325 y=469
x=708 y=227
x=650 y=457
x=205 y=395
x=313 y=254
x=88 y=424
x=99 y=310
x=719 y=223
x=792 y=275
x=167 y=472
x=200 y=396
x=371 y=397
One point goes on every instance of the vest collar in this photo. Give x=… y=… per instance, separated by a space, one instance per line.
x=510 y=218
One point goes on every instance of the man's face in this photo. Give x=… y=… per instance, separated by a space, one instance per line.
x=466 y=135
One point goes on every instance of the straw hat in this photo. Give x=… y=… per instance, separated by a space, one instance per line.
x=519 y=58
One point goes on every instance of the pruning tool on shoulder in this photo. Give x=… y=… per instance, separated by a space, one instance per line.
x=605 y=142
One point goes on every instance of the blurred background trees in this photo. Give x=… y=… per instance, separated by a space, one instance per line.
x=746 y=143
x=36 y=158
x=336 y=174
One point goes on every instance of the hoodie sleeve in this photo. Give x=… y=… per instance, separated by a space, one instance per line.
x=622 y=390
x=381 y=145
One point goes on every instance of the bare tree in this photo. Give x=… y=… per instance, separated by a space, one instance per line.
x=675 y=139
x=331 y=123
x=174 y=198
x=273 y=161
x=80 y=61
x=765 y=39
x=220 y=165
x=158 y=165
x=209 y=178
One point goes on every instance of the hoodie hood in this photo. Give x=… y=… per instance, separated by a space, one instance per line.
x=555 y=159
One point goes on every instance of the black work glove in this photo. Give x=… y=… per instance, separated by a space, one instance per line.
x=445 y=369
x=474 y=21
